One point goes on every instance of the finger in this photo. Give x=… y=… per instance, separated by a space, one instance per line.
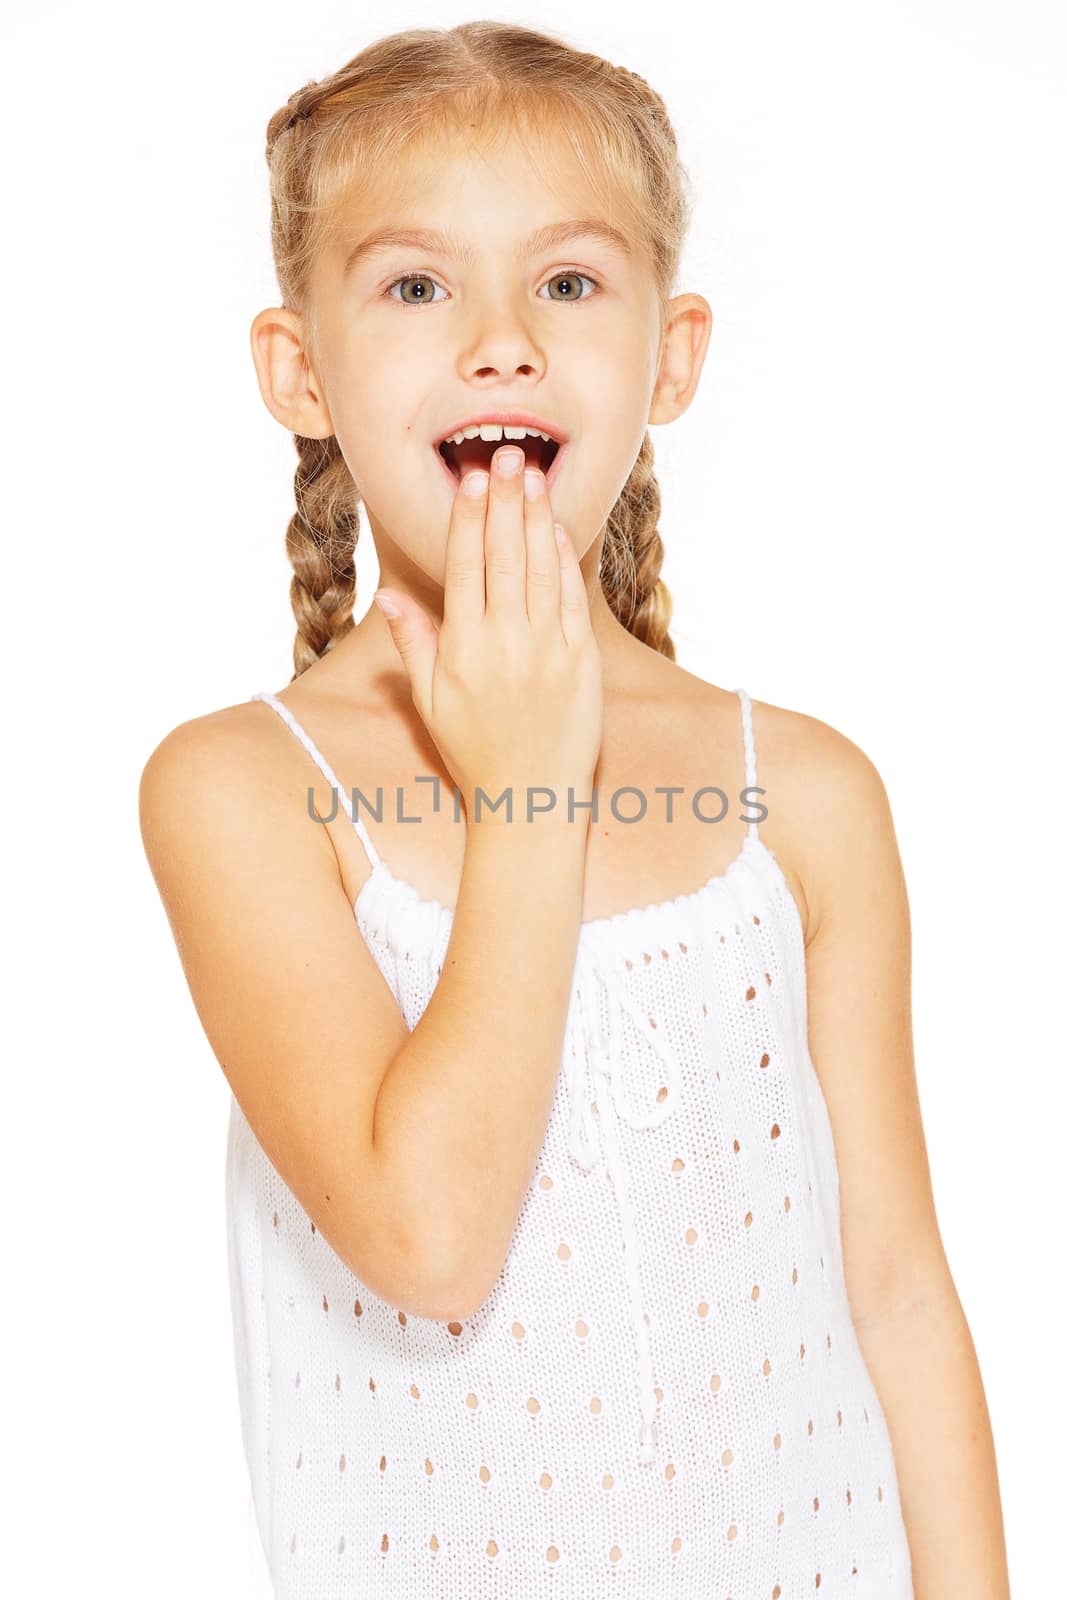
x=542 y=557
x=415 y=638
x=573 y=595
x=464 y=598
x=505 y=544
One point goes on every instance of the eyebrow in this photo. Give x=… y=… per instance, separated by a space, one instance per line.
x=449 y=244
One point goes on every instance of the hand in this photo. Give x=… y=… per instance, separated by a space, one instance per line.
x=510 y=687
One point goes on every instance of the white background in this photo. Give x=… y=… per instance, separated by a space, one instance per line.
x=863 y=518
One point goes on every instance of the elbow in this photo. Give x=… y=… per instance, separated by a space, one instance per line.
x=422 y=1282
x=459 y=1303
x=427 y=1294
x=430 y=1262
x=447 y=1289
x=456 y=1309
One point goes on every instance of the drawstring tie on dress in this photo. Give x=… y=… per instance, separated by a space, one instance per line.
x=596 y=1073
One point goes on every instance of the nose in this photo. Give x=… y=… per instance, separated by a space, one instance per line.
x=502 y=346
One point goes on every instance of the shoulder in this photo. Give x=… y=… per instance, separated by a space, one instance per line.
x=228 y=743
x=826 y=805
x=227 y=779
x=246 y=740
x=833 y=802
x=825 y=802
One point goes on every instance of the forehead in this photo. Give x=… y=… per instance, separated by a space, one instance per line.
x=542 y=153
x=479 y=182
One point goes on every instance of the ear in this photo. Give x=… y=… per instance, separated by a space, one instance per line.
x=288 y=382
x=683 y=346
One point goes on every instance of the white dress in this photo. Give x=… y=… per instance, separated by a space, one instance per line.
x=663 y=1394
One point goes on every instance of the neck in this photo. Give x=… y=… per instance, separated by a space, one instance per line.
x=367 y=655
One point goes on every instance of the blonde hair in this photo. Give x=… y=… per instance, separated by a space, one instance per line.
x=410 y=87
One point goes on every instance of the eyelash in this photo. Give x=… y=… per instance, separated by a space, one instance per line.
x=563 y=272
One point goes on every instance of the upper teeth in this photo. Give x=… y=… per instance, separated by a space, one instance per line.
x=493 y=430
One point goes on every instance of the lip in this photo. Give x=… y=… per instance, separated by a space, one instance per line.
x=550 y=476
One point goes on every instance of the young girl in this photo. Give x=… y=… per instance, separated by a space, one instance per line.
x=557 y=1260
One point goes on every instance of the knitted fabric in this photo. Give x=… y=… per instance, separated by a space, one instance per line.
x=663 y=1392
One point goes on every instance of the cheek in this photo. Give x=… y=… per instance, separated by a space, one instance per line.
x=373 y=429
x=614 y=381
x=406 y=496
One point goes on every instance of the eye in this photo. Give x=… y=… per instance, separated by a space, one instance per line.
x=414 y=277
x=569 y=277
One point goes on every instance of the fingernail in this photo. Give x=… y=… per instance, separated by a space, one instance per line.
x=534 y=483
x=475 y=483
x=560 y=535
x=509 y=462
x=386 y=604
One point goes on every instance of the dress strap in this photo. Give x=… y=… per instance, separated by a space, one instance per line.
x=324 y=767
x=750 y=753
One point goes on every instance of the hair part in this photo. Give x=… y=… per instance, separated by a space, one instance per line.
x=397 y=97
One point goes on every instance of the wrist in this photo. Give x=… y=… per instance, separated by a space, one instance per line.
x=540 y=809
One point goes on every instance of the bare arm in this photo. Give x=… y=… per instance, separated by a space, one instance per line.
x=462 y=1110
x=395 y=1142
x=907 y=1314
x=409 y=1151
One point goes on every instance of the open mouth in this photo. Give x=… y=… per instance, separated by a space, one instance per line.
x=475 y=453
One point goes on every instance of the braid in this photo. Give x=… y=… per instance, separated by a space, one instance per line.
x=633 y=555
x=321 y=544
